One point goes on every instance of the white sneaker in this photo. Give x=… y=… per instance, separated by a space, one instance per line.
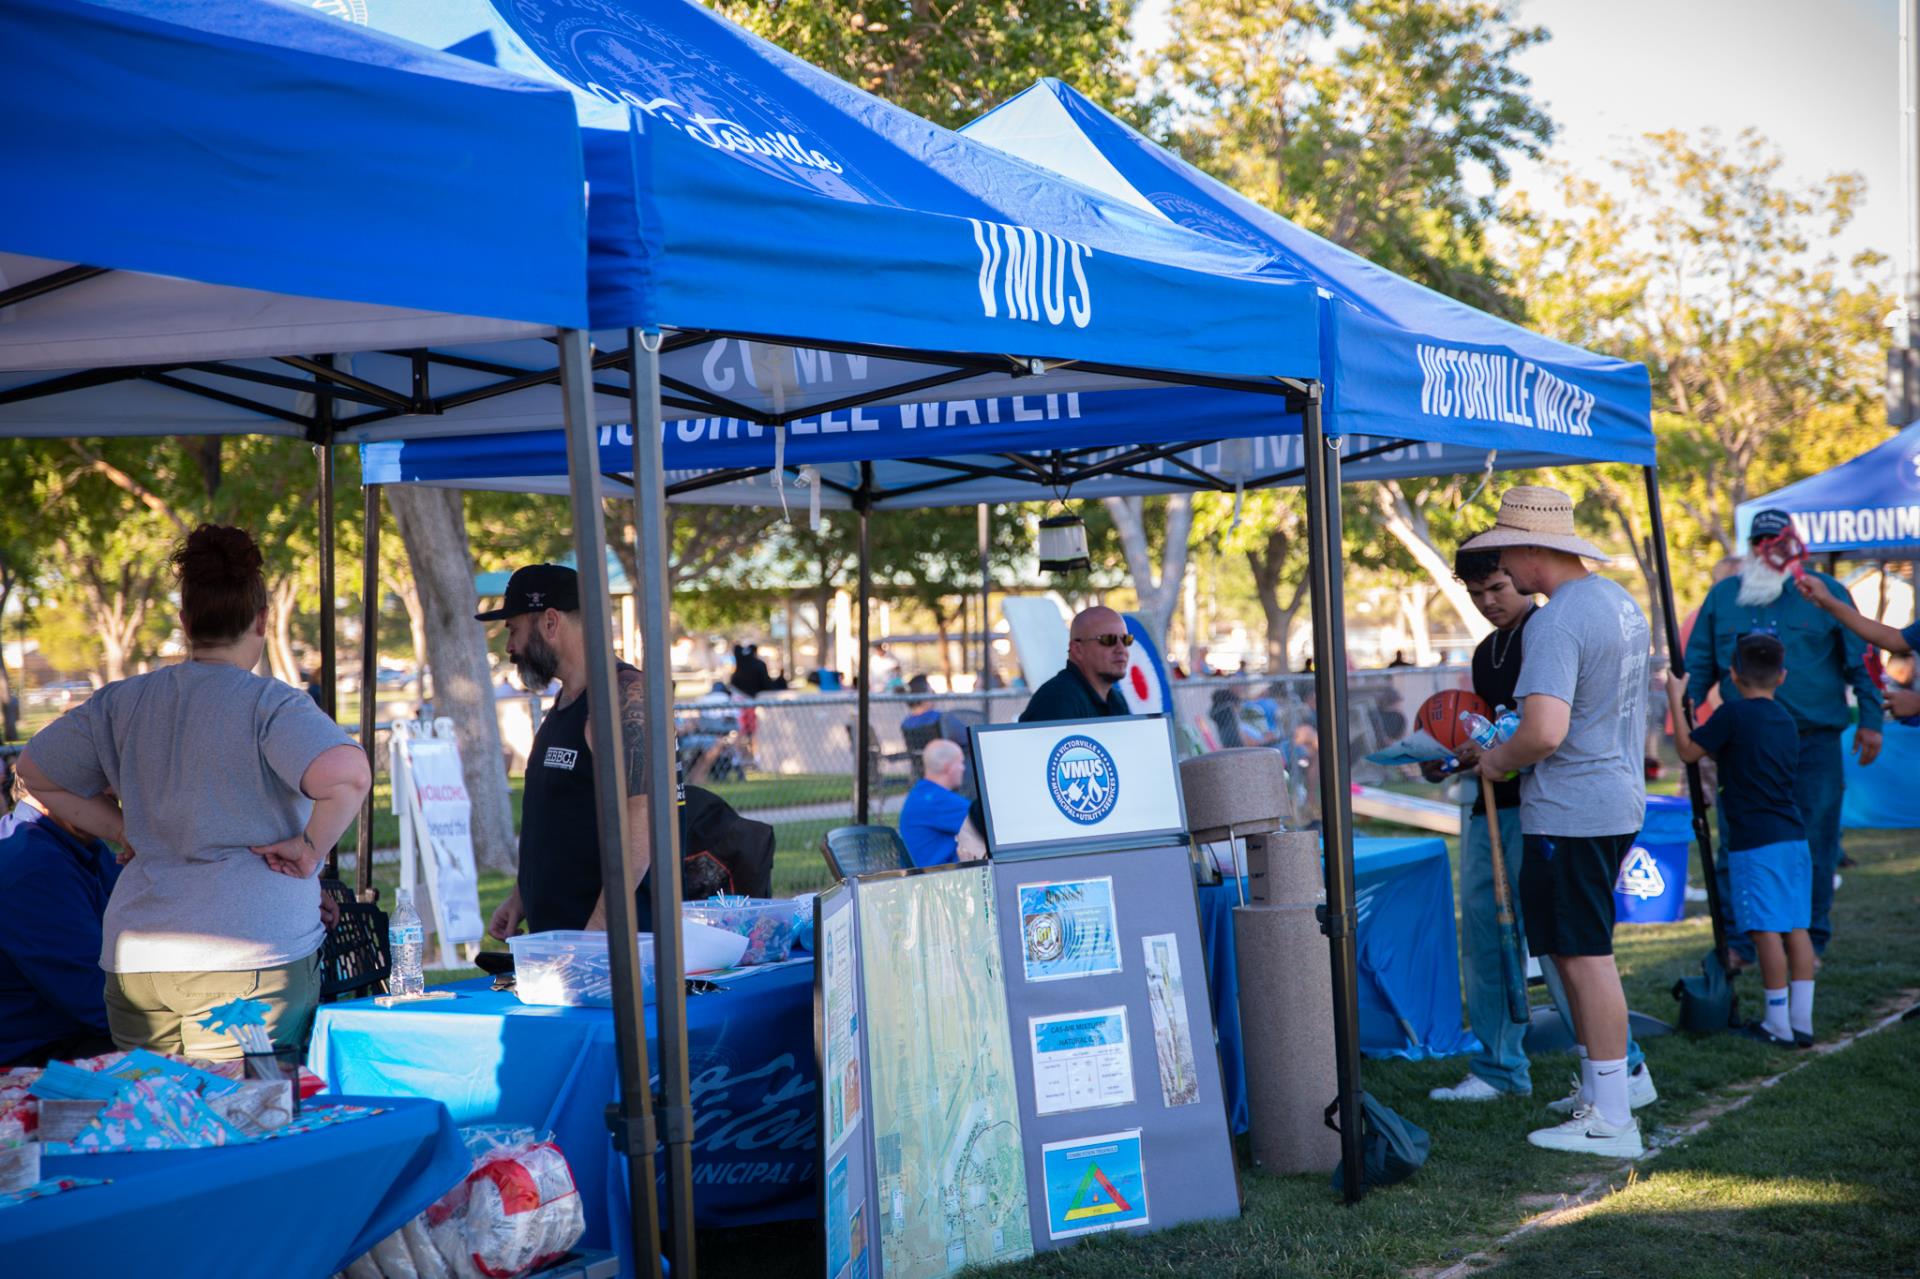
x=1640 y=1093
x=1472 y=1088
x=1588 y=1134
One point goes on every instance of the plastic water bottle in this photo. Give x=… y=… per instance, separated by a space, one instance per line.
x=407 y=939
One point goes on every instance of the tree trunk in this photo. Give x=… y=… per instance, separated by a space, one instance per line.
x=940 y=622
x=10 y=702
x=409 y=592
x=433 y=527
x=1268 y=565
x=1408 y=524
x=1158 y=593
x=282 y=599
x=1413 y=604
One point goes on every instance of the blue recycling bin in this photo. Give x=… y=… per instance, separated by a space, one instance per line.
x=1652 y=887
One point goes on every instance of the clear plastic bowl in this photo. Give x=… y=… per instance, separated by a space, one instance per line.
x=571 y=969
x=768 y=925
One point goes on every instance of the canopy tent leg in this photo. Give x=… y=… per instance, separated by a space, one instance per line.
x=863 y=665
x=329 y=623
x=985 y=516
x=1336 y=800
x=631 y=1115
x=369 y=677
x=1677 y=662
x=663 y=791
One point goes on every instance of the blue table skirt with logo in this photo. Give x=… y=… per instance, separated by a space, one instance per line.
x=296 y=1206
x=1409 y=959
x=492 y=1059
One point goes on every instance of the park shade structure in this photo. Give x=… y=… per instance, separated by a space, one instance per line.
x=1868 y=507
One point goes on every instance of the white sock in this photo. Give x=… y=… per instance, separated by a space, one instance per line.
x=1586 y=1077
x=1800 y=1006
x=1610 y=1091
x=1776 y=1022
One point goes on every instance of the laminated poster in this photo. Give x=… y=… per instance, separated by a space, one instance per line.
x=843 y=1081
x=1067 y=929
x=1094 y=1184
x=1081 y=1061
x=839 y=1238
x=1172 y=1036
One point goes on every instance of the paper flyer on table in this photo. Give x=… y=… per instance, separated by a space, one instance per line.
x=1094 y=1184
x=1081 y=1061
x=1172 y=1036
x=1067 y=929
x=843 y=1081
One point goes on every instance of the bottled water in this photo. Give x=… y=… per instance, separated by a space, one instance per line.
x=407 y=939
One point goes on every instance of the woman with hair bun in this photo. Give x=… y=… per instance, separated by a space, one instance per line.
x=230 y=788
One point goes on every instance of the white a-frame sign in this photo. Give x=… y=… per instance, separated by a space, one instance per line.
x=430 y=798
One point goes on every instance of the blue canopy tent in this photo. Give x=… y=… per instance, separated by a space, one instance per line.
x=1868 y=506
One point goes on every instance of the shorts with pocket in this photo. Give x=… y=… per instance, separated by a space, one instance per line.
x=163 y=1011
x=1566 y=892
x=1772 y=887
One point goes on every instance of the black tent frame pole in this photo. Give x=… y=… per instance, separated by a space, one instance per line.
x=650 y=542
x=630 y=1116
x=1677 y=664
x=329 y=622
x=985 y=531
x=863 y=665
x=369 y=678
x=1324 y=572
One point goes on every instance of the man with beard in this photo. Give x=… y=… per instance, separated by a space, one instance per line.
x=559 y=885
x=1823 y=659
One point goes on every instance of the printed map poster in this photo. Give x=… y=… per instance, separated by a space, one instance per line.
x=1067 y=929
x=1172 y=1036
x=1081 y=1061
x=942 y=1099
x=1094 y=1184
x=842 y=1080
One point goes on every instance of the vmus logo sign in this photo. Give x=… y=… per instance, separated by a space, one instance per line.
x=1082 y=779
x=1027 y=272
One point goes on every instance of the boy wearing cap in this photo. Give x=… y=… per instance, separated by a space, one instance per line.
x=1769 y=863
x=1582 y=690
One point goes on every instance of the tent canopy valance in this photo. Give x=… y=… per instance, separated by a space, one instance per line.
x=1870 y=504
x=153 y=227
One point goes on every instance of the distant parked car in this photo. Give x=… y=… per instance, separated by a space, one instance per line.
x=64 y=693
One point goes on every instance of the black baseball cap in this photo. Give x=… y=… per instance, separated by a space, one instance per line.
x=1769 y=523
x=534 y=589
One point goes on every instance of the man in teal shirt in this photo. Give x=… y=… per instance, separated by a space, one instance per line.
x=1824 y=660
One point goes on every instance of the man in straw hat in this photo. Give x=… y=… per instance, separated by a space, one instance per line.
x=1583 y=703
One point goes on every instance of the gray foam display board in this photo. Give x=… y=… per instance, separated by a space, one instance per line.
x=1186 y=1150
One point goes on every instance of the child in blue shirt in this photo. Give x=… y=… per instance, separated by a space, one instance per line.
x=1903 y=704
x=1756 y=744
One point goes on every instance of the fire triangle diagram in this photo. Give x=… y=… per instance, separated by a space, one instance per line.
x=1095 y=1197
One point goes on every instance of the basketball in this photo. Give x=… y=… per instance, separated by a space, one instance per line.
x=1440 y=715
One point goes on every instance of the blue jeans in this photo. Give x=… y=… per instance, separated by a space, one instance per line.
x=1502 y=1059
x=1818 y=783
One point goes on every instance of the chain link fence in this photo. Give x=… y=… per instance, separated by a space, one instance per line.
x=789 y=761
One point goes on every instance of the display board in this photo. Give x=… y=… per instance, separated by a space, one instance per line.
x=436 y=835
x=1079 y=784
x=1122 y=1103
x=847 y=1202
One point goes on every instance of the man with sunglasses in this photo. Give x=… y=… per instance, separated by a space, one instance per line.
x=1088 y=688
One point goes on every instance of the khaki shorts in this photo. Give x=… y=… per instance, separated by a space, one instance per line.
x=163 y=1011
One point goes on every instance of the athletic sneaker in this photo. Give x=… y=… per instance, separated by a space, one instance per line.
x=1588 y=1134
x=1801 y=1039
x=1640 y=1093
x=1757 y=1031
x=1472 y=1088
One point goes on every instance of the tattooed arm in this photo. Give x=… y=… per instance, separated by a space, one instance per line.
x=633 y=747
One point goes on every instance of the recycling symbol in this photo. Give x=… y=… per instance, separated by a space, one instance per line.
x=1640 y=876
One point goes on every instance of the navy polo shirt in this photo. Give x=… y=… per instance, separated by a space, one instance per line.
x=53 y=892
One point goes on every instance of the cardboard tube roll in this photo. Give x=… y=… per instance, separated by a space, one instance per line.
x=1286 y=1022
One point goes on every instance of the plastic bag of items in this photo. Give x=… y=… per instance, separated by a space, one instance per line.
x=515 y=1212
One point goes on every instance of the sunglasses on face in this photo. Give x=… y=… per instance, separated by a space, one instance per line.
x=1106 y=641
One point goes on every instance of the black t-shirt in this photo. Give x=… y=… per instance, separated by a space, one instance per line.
x=1757 y=745
x=1496 y=670
x=559 y=832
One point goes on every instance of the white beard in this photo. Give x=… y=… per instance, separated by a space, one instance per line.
x=1760 y=583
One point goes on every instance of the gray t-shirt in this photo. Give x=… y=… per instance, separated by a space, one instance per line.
x=1588 y=647
x=206 y=759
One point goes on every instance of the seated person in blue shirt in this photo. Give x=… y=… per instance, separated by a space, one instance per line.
x=55 y=882
x=933 y=822
x=1757 y=746
x=921 y=712
x=1902 y=703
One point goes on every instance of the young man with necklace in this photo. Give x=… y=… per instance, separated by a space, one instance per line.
x=1500 y=1068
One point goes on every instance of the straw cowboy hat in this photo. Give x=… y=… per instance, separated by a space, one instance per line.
x=1532 y=515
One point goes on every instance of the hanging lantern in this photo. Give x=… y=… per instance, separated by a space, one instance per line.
x=1063 y=544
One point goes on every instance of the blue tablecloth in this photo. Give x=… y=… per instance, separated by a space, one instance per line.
x=1882 y=795
x=492 y=1059
x=304 y=1205
x=1408 y=952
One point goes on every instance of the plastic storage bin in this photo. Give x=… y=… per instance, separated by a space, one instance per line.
x=571 y=969
x=1652 y=885
x=768 y=925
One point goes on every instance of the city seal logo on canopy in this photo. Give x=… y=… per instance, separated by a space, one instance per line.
x=1082 y=780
